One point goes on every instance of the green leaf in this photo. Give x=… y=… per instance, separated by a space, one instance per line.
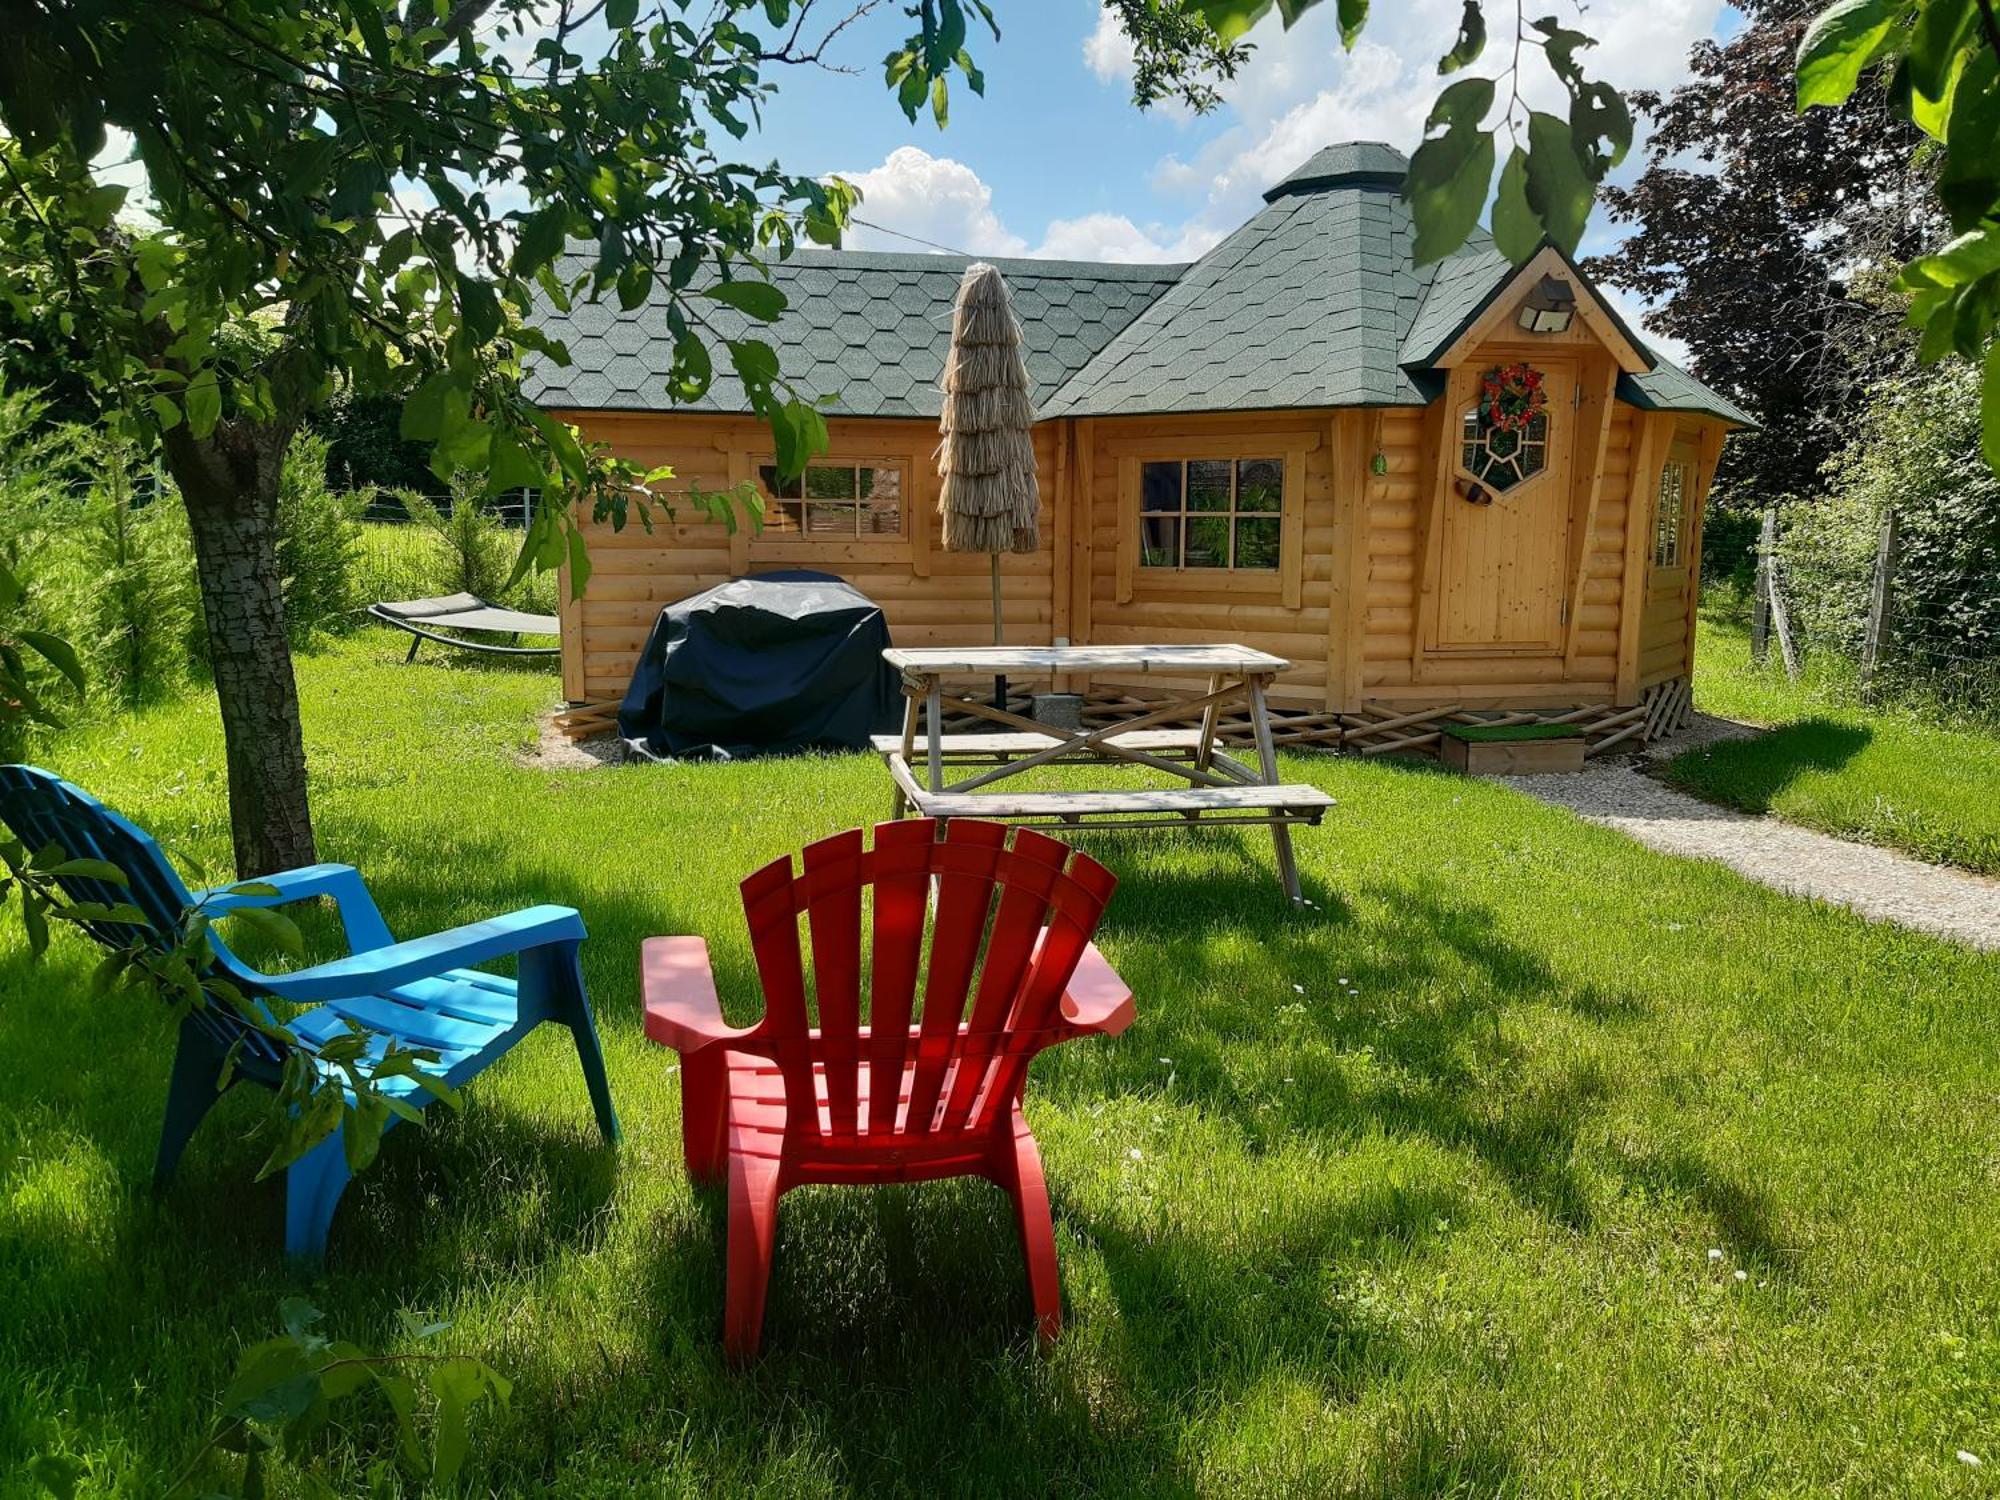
x=1517 y=228
x=1989 y=408
x=11 y=592
x=56 y=651
x=1932 y=53
x=361 y=1132
x=579 y=563
x=542 y=235
x=1842 y=40
x=202 y=402
x=93 y=869
x=1557 y=188
x=1353 y=15
x=274 y=927
x=1449 y=174
x=1229 y=19
x=635 y=285
x=756 y=363
x=619 y=14
x=758 y=299
x=1471 y=40
x=1969 y=185
x=423 y=412
x=512 y=467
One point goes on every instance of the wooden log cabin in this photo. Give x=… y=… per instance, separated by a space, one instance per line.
x=1288 y=444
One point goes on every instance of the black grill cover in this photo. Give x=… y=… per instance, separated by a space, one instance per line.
x=761 y=666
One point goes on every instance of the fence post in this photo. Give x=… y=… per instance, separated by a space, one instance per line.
x=1781 y=617
x=1880 y=601
x=1760 y=603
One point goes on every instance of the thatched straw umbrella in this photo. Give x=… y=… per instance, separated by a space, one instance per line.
x=987 y=458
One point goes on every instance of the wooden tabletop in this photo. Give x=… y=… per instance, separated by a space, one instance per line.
x=936 y=662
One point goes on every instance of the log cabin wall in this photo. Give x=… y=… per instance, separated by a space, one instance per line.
x=1282 y=610
x=1667 y=566
x=1347 y=604
x=931 y=597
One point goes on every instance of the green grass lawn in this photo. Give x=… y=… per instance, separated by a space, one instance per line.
x=1831 y=764
x=1528 y=1162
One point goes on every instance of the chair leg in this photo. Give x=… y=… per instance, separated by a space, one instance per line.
x=591 y=1054
x=1019 y=1171
x=704 y=1101
x=551 y=987
x=753 y=1233
x=191 y=1094
x=313 y=1185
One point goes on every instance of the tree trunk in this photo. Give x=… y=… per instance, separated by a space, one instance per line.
x=229 y=482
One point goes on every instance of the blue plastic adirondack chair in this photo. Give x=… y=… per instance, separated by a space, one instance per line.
x=422 y=993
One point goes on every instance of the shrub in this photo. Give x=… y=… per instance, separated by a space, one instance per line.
x=365 y=446
x=1918 y=451
x=138 y=589
x=319 y=531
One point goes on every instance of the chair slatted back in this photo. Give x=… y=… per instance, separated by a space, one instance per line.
x=42 y=810
x=1009 y=922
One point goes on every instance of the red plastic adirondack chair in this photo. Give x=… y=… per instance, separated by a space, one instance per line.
x=783 y=1103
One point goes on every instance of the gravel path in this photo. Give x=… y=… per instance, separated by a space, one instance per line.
x=1877 y=883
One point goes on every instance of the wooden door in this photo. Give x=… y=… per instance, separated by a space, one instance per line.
x=1503 y=547
x=1670 y=575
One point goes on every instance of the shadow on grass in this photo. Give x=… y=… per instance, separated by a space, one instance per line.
x=1753 y=773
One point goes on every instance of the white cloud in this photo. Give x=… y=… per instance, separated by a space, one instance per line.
x=930 y=198
x=1107 y=51
x=1300 y=91
x=1116 y=238
x=915 y=201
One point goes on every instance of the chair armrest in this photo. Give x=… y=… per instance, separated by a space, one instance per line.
x=423 y=958
x=682 y=1009
x=358 y=914
x=1097 y=1000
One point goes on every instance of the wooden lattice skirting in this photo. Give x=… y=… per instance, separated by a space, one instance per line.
x=1375 y=729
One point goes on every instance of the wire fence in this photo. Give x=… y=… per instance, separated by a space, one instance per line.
x=1887 y=620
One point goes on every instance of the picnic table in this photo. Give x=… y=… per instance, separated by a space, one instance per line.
x=1219 y=789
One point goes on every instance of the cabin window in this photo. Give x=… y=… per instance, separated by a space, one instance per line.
x=1502 y=457
x=1211 y=513
x=1670 y=514
x=835 y=502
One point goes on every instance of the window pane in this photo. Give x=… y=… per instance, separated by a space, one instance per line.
x=1257 y=543
x=1207 y=487
x=768 y=473
x=1160 y=542
x=829 y=483
x=791 y=515
x=883 y=490
x=1208 y=542
x=1160 y=486
x=1260 y=484
x=834 y=519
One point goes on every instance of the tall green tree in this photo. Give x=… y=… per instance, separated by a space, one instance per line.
x=1764 y=238
x=373 y=192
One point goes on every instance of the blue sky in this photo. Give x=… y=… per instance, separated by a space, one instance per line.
x=1055 y=160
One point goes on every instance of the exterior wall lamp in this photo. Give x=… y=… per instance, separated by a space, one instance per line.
x=1549 y=307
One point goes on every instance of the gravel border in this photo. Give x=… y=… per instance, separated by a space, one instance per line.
x=1880 y=884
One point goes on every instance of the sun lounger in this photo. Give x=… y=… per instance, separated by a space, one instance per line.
x=423 y=618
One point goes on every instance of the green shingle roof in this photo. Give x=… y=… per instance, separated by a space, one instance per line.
x=868 y=328
x=1313 y=303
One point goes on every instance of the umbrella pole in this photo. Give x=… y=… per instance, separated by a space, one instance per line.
x=999 y=683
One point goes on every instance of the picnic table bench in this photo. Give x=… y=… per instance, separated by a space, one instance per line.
x=1219 y=790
